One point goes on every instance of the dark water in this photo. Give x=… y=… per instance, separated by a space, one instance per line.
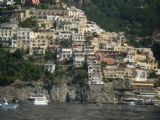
x=81 y=112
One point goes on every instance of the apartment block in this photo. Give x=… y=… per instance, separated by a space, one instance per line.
x=95 y=74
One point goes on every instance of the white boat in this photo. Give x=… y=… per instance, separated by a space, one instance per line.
x=40 y=100
x=32 y=97
x=130 y=101
x=7 y=105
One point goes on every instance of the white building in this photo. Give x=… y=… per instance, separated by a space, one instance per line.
x=7 y=31
x=25 y=34
x=111 y=46
x=78 y=37
x=7 y=2
x=89 y=50
x=38 y=46
x=64 y=25
x=24 y=37
x=76 y=13
x=64 y=54
x=129 y=58
x=79 y=58
x=95 y=74
x=10 y=2
x=79 y=61
x=158 y=72
x=13 y=43
x=141 y=75
x=94 y=28
x=52 y=18
x=50 y=67
x=65 y=35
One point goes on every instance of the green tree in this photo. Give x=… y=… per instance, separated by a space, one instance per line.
x=81 y=78
x=17 y=2
x=29 y=23
x=18 y=54
x=31 y=72
x=50 y=56
x=152 y=75
x=140 y=18
x=4 y=19
x=65 y=43
x=6 y=80
x=42 y=6
x=1 y=44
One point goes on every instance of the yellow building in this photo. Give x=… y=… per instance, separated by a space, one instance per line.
x=144 y=58
x=118 y=73
x=45 y=24
x=38 y=46
x=95 y=43
x=24 y=37
x=149 y=65
x=40 y=13
x=140 y=57
x=141 y=85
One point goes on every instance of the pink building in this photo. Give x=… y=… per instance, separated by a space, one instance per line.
x=108 y=59
x=32 y=2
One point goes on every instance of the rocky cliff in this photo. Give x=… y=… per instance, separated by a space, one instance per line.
x=64 y=93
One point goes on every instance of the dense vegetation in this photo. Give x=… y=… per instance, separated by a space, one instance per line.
x=138 y=17
x=14 y=67
x=19 y=66
x=29 y=23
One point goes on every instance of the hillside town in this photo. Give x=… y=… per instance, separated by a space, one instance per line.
x=67 y=33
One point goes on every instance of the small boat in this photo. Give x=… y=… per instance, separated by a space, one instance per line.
x=130 y=101
x=40 y=100
x=32 y=97
x=7 y=105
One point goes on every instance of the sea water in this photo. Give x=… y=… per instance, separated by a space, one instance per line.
x=81 y=112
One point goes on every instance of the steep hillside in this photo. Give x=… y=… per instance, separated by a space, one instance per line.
x=140 y=17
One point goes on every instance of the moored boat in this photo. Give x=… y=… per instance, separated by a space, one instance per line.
x=7 y=105
x=130 y=101
x=40 y=100
x=32 y=97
